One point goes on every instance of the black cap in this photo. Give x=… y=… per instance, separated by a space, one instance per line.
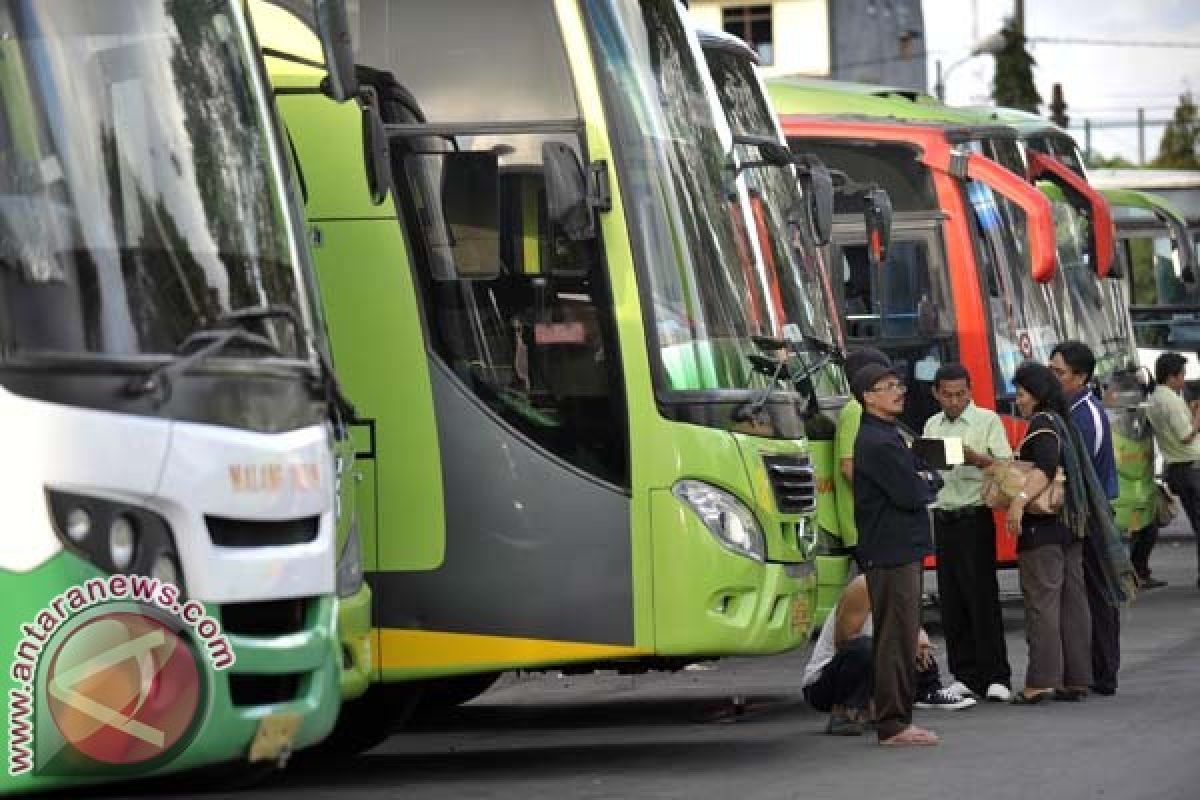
x=867 y=377
x=861 y=356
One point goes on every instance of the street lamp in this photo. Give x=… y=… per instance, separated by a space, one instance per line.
x=991 y=45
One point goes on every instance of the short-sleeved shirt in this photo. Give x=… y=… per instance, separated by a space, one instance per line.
x=843 y=447
x=1092 y=422
x=1172 y=423
x=1042 y=447
x=981 y=430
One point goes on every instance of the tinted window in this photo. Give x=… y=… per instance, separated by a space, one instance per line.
x=892 y=166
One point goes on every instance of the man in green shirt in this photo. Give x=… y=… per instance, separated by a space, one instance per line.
x=843 y=444
x=1176 y=431
x=965 y=541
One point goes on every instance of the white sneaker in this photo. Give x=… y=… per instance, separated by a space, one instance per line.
x=944 y=700
x=999 y=693
x=961 y=689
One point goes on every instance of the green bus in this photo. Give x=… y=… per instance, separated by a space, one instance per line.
x=576 y=444
x=168 y=550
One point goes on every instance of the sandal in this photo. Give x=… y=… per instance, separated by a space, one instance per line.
x=912 y=736
x=1022 y=699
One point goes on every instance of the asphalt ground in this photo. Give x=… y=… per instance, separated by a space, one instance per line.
x=740 y=729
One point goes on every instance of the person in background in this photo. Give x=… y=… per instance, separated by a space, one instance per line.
x=1058 y=624
x=1177 y=432
x=838 y=676
x=847 y=431
x=965 y=541
x=892 y=492
x=1073 y=363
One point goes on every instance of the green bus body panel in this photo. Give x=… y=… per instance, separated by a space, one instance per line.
x=225 y=732
x=369 y=297
x=813 y=98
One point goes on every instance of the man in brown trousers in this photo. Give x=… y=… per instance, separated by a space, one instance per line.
x=892 y=492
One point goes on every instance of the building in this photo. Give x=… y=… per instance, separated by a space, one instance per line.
x=870 y=41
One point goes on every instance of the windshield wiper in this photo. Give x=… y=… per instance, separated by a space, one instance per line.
x=230 y=328
x=342 y=410
x=779 y=370
x=161 y=378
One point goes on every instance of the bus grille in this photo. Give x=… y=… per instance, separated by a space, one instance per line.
x=793 y=483
x=266 y=618
x=262 y=533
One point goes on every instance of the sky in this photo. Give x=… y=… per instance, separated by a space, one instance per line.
x=1100 y=83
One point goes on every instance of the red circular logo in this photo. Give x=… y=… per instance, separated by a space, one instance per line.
x=123 y=688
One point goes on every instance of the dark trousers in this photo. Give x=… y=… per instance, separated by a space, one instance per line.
x=1141 y=545
x=970 y=598
x=896 y=617
x=847 y=679
x=1106 y=619
x=1184 y=480
x=1058 y=624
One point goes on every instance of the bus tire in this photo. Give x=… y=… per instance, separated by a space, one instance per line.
x=367 y=721
x=446 y=693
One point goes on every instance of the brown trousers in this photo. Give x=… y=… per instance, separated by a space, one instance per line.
x=1058 y=624
x=896 y=618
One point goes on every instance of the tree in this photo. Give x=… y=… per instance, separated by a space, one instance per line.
x=1180 y=143
x=1013 y=84
x=1098 y=161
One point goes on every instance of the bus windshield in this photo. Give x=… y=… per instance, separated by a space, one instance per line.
x=1022 y=320
x=1087 y=299
x=139 y=196
x=706 y=297
x=791 y=265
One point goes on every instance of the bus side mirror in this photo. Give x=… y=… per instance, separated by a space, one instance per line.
x=567 y=198
x=816 y=184
x=377 y=156
x=471 y=210
x=877 y=215
x=338 y=45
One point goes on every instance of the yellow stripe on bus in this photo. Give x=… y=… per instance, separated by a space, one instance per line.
x=412 y=649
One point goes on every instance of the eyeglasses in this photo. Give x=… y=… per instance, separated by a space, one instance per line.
x=890 y=387
x=1059 y=371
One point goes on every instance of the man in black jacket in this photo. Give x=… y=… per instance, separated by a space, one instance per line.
x=892 y=492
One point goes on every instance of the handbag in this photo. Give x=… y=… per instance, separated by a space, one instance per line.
x=1004 y=480
x=1166 y=505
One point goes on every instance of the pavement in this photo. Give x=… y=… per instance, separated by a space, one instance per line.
x=740 y=729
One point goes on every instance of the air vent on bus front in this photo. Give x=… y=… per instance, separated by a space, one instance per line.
x=793 y=482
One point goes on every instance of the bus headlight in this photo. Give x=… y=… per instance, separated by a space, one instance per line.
x=79 y=524
x=349 y=565
x=164 y=570
x=726 y=517
x=122 y=541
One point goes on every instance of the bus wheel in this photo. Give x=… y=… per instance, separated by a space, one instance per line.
x=368 y=721
x=446 y=693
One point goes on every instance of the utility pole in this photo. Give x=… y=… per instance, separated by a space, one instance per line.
x=1087 y=139
x=1141 y=137
x=1058 y=107
x=1019 y=16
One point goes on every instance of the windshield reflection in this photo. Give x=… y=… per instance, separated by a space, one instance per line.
x=693 y=236
x=139 y=200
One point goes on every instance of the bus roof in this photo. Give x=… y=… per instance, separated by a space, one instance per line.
x=815 y=97
x=1150 y=179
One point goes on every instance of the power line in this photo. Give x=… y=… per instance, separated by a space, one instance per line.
x=1109 y=42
